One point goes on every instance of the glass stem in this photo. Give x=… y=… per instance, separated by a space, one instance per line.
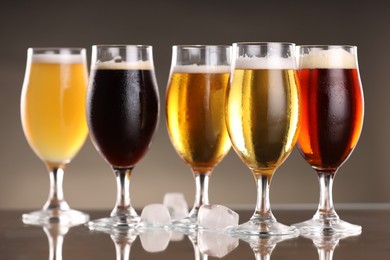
x=55 y=237
x=123 y=208
x=122 y=249
x=201 y=192
x=263 y=208
x=56 y=199
x=325 y=208
x=259 y=256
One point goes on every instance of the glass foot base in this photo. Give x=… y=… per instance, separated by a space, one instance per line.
x=263 y=228
x=327 y=227
x=63 y=217
x=119 y=223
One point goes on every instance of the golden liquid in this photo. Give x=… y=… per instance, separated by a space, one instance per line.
x=53 y=110
x=263 y=117
x=196 y=118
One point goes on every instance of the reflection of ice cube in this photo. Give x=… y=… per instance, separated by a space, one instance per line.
x=155 y=240
x=155 y=215
x=176 y=236
x=176 y=204
x=217 y=217
x=216 y=244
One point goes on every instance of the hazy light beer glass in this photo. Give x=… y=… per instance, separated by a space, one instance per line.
x=262 y=115
x=332 y=119
x=195 y=113
x=122 y=116
x=54 y=123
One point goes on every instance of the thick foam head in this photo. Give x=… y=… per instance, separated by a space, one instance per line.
x=57 y=58
x=328 y=59
x=269 y=62
x=112 y=65
x=201 y=69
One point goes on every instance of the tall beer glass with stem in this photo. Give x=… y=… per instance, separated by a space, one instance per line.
x=332 y=118
x=122 y=116
x=195 y=115
x=53 y=119
x=262 y=113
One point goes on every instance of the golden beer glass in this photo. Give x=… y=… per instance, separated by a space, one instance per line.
x=54 y=123
x=262 y=115
x=195 y=114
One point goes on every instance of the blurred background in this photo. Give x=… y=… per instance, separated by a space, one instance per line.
x=89 y=182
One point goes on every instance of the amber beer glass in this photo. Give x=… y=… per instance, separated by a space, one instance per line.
x=54 y=123
x=262 y=113
x=122 y=116
x=332 y=118
x=195 y=113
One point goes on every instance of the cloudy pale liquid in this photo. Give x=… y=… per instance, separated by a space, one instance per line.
x=196 y=118
x=263 y=116
x=53 y=109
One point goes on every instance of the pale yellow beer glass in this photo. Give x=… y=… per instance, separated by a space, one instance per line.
x=262 y=115
x=54 y=121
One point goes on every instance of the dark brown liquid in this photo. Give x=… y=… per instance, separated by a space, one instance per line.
x=122 y=113
x=332 y=115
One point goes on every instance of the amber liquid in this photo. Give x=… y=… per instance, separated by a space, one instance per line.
x=196 y=118
x=332 y=116
x=263 y=117
x=53 y=109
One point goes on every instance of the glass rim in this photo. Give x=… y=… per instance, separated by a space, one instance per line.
x=56 y=48
x=121 y=46
x=322 y=46
x=198 y=46
x=264 y=43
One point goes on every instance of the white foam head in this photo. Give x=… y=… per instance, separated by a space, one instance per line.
x=268 y=62
x=112 y=65
x=58 y=58
x=328 y=59
x=194 y=68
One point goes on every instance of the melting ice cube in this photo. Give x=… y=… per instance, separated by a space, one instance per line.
x=155 y=215
x=176 y=204
x=216 y=217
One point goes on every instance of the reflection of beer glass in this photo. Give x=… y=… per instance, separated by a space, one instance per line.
x=195 y=117
x=122 y=115
x=262 y=121
x=332 y=117
x=53 y=119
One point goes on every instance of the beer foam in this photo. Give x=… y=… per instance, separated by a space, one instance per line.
x=111 y=65
x=194 y=68
x=268 y=62
x=328 y=59
x=57 y=58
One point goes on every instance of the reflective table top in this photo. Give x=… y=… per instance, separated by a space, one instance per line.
x=20 y=241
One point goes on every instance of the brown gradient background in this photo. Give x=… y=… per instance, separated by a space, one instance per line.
x=89 y=182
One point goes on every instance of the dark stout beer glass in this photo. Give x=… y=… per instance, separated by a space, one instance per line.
x=122 y=116
x=332 y=118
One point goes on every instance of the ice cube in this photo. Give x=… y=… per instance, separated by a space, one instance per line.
x=216 y=244
x=216 y=217
x=176 y=204
x=155 y=240
x=155 y=215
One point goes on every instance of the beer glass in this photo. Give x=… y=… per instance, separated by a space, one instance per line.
x=195 y=116
x=122 y=116
x=53 y=120
x=332 y=118
x=262 y=113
